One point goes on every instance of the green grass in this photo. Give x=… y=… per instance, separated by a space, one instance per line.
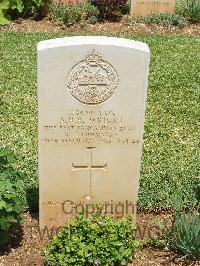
x=170 y=157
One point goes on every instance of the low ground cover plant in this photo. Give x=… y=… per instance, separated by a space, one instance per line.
x=73 y=12
x=109 y=8
x=12 y=195
x=163 y=19
x=98 y=240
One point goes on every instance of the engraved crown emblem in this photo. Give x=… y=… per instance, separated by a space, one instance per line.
x=94 y=58
x=93 y=80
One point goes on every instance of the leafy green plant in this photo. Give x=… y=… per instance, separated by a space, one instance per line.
x=12 y=195
x=90 y=10
x=164 y=19
x=20 y=8
x=4 y=4
x=93 y=20
x=109 y=8
x=184 y=235
x=125 y=9
x=73 y=12
x=128 y=20
x=177 y=20
x=191 y=9
x=98 y=240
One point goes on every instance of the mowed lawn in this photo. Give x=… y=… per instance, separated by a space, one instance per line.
x=170 y=164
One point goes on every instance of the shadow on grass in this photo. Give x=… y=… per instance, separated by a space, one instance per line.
x=11 y=240
x=197 y=193
x=32 y=196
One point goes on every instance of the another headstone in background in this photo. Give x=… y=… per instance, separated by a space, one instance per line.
x=145 y=7
x=67 y=1
x=92 y=96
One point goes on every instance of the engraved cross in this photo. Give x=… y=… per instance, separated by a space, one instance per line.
x=90 y=168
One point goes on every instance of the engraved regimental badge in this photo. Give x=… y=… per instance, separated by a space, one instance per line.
x=93 y=80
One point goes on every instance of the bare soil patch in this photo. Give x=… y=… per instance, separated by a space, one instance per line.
x=27 y=249
x=45 y=25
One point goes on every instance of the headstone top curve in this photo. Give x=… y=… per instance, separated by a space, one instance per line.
x=92 y=40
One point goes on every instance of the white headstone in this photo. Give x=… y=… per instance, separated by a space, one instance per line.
x=92 y=95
